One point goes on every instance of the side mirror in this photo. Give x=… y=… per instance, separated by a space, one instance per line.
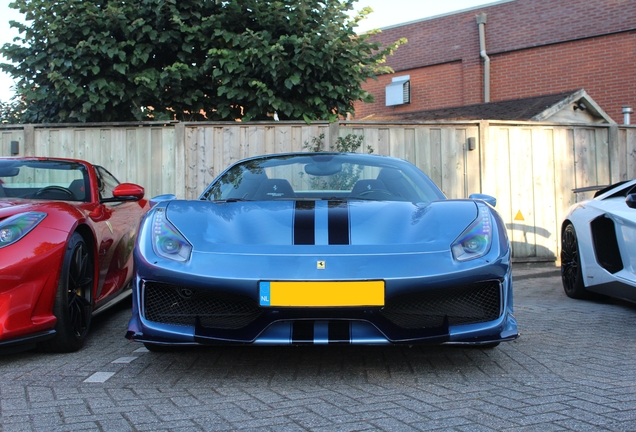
x=126 y=192
x=159 y=198
x=630 y=200
x=487 y=198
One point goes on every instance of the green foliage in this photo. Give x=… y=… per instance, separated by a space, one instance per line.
x=11 y=112
x=108 y=60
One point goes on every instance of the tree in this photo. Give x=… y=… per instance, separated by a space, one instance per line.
x=112 y=60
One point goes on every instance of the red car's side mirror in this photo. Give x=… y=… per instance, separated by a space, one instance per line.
x=128 y=192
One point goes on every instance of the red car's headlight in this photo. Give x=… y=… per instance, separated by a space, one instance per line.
x=14 y=228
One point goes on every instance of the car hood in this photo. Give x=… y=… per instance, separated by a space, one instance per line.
x=214 y=227
x=10 y=207
x=15 y=206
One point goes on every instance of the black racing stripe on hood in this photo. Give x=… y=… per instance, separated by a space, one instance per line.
x=305 y=223
x=338 y=220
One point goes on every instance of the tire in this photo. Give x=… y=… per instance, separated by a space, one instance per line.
x=571 y=272
x=73 y=300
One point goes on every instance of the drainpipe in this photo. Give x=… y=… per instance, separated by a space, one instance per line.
x=481 y=20
x=626 y=114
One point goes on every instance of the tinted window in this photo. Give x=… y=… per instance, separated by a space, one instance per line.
x=106 y=183
x=323 y=176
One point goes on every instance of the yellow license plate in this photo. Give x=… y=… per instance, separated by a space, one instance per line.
x=322 y=293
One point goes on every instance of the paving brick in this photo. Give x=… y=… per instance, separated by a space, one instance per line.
x=573 y=368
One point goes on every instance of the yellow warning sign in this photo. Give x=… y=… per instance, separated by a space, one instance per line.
x=519 y=216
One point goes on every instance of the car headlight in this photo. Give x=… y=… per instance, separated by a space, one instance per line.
x=167 y=242
x=14 y=228
x=475 y=241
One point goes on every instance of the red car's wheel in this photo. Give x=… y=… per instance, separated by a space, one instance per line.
x=73 y=306
x=571 y=273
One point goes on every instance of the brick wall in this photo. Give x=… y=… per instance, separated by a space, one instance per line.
x=536 y=47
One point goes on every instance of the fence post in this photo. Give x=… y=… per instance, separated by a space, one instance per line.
x=484 y=131
x=617 y=161
x=180 y=160
x=334 y=130
x=29 y=140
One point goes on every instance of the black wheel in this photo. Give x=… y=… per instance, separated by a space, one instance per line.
x=571 y=273
x=56 y=192
x=73 y=305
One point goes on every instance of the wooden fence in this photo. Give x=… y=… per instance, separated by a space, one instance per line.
x=531 y=168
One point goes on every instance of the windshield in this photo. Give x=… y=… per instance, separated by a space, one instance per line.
x=319 y=176
x=44 y=180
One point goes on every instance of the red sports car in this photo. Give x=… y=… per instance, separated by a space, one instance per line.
x=67 y=230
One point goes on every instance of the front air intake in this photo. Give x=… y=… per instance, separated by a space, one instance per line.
x=467 y=304
x=182 y=305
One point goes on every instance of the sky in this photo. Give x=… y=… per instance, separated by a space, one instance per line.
x=385 y=13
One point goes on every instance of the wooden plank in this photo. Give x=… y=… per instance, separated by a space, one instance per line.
x=452 y=162
x=496 y=166
x=213 y=153
x=29 y=140
x=156 y=176
x=409 y=145
x=602 y=150
x=630 y=145
x=106 y=150
x=396 y=142
x=283 y=139
x=5 y=144
x=459 y=141
x=257 y=141
x=422 y=149
x=522 y=197
x=191 y=136
x=545 y=222
x=169 y=173
x=435 y=155
x=383 y=142
x=270 y=140
x=371 y=138
x=42 y=142
x=584 y=160
x=617 y=154
x=12 y=135
x=297 y=138
x=472 y=164
x=178 y=143
x=564 y=177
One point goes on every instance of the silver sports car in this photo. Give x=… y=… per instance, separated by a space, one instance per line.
x=322 y=248
x=598 y=244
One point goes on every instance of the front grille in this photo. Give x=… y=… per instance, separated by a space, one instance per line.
x=467 y=304
x=175 y=304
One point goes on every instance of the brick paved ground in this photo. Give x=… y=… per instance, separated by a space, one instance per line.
x=574 y=368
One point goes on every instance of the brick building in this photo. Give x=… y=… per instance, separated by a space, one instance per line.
x=534 y=47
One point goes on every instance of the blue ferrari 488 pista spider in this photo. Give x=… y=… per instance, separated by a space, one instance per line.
x=322 y=248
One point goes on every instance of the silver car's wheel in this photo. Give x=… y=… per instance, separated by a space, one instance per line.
x=571 y=273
